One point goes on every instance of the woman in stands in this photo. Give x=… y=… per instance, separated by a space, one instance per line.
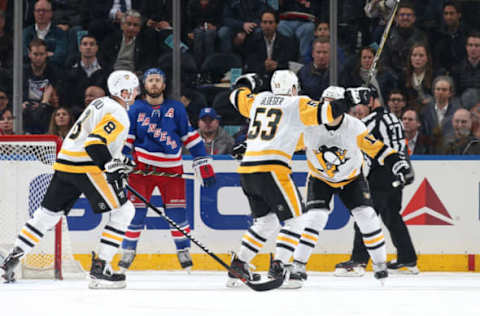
x=60 y=122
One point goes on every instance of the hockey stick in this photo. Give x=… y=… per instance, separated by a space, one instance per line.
x=386 y=31
x=257 y=286
x=187 y=176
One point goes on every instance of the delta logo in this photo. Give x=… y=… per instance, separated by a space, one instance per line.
x=426 y=208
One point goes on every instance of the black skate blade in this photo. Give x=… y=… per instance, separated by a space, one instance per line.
x=264 y=286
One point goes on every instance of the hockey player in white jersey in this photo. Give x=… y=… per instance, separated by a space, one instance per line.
x=277 y=120
x=335 y=158
x=89 y=162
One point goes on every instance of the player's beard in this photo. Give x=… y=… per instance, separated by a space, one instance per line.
x=154 y=95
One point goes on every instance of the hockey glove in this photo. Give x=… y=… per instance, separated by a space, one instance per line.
x=339 y=107
x=116 y=171
x=401 y=170
x=360 y=95
x=251 y=81
x=239 y=150
x=202 y=166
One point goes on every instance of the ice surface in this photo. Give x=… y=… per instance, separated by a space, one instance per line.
x=204 y=293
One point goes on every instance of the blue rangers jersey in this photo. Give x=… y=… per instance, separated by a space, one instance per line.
x=157 y=133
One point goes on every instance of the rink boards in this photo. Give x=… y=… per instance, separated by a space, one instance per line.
x=441 y=209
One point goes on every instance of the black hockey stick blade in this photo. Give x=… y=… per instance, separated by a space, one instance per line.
x=256 y=286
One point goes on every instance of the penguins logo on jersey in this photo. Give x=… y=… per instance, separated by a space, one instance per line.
x=331 y=158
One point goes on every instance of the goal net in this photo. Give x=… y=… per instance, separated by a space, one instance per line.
x=26 y=170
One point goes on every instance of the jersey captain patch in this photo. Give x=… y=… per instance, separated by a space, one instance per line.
x=331 y=158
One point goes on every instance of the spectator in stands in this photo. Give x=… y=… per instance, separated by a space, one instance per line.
x=60 y=122
x=467 y=74
x=6 y=122
x=204 y=17
x=417 y=142
x=402 y=36
x=91 y=93
x=83 y=71
x=298 y=21
x=314 y=76
x=417 y=78
x=396 y=102
x=322 y=29
x=193 y=101
x=475 y=111
x=381 y=10
x=6 y=41
x=39 y=74
x=450 y=41
x=45 y=29
x=240 y=19
x=383 y=79
x=129 y=49
x=67 y=14
x=359 y=111
x=463 y=142
x=36 y=115
x=217 y=141
x=4 y=99
x=437 y=115
x=268 y=50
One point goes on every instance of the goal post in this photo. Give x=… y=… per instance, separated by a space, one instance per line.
x=26 y=168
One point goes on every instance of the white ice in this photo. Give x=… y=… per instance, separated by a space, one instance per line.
x=204 y=293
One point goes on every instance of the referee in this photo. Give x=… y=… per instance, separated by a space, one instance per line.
x=387 y=200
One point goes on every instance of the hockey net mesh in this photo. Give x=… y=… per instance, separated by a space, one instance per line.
x=26 y=169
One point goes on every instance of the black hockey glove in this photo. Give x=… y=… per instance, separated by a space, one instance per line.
x=354 y=96
x=239 y=150
x=401 y=170
x=251 y=81
x=117 y=170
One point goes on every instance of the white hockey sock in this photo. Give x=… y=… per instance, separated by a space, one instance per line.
x=288 y=239
x=256 y=236
x=114 y=232
x=35 y=228
x=315 y=221
x=372 y=234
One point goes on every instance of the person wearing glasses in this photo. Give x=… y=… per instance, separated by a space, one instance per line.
x=402 y=36
x=396 y=102
x=46 y=30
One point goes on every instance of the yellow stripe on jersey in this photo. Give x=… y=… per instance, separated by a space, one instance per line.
x=373 y=241
x=267 y=152
x=74 y=153
x=372 y=146
x=245 y=100
x=317 y=175
x=93 y=142
x=29 y=235
x=108 y=128
x=300 y=143
x=308 y=111
x=289 y=190
x=76 y=169
x=103 y=187
x=288 y=240
x=311 y=237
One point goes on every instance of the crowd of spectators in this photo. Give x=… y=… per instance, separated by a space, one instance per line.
x=428 y=74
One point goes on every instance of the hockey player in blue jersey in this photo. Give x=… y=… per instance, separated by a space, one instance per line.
x=159 y=127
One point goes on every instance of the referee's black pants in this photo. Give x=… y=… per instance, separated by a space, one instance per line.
x=388 y=205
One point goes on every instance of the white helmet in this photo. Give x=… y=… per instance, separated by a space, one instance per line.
x=120 y=81
x=283 y=82
x=334 y=92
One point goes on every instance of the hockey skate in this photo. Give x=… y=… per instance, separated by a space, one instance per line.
x=380 y=272
x=243 y=270
x=402 y=268
x=185 y=259
x=297 y=275
x=102 y=276
x=278 y=270
x=127 y=258
x=10 y=263
x=350 y=268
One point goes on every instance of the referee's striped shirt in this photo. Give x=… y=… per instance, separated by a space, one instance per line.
x=386 y=127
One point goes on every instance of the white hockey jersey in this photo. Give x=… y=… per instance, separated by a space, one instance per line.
x=276 y=124
x=335 y=154
x=104 y=121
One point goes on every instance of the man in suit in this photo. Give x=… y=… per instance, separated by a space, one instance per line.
x=417 y=143
x=268 y=50
x=437 y=115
